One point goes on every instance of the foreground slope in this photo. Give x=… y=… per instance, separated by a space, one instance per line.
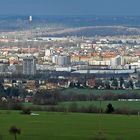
x=70 y=126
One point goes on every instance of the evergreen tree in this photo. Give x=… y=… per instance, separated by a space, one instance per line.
x=109 y=108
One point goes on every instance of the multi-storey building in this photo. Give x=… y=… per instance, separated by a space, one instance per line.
x=29 y=65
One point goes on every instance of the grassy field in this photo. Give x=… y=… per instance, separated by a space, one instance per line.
x=94 y=91
x=116 y=104
x=70 y=126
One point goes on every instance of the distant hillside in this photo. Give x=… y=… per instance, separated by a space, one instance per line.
x=94 y=30
x=74 y=25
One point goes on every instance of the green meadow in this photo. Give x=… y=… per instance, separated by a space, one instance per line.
x=116 y=104
x=69 y=126
x=133 y=105
x=96 y=91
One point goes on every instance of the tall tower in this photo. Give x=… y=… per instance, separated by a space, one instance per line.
x=30 y=18
x=29 y=65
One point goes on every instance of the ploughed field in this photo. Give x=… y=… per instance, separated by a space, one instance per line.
x=69 y=126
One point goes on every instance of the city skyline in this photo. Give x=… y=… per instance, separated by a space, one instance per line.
x=72 y=7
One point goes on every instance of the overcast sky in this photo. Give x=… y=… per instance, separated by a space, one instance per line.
x=69 y=7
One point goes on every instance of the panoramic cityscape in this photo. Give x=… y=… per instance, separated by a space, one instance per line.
x=70 y=70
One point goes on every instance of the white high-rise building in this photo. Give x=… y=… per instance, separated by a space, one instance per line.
x=116 y=61
x=62 y=60
x=29 y=65
x=47 y=54
x=30 y=18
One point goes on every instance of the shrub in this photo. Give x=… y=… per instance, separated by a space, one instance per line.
x=12 y=105
x=15 y=106
x=73 y=107
x=26 y=111
x=126 y=111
